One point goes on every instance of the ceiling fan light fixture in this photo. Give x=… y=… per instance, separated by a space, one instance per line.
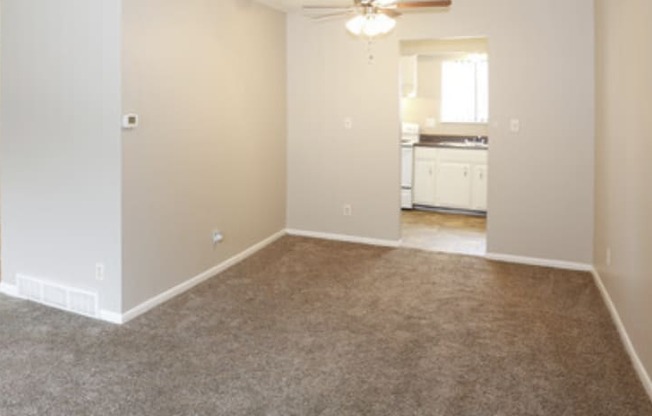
x=370 y=25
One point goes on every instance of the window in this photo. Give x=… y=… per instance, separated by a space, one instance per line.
x=465 y=90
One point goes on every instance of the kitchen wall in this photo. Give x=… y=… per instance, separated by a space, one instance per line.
x=208 y=80
x=541 y=66
x=60 y=147
x=427 y=104
x=623 y=222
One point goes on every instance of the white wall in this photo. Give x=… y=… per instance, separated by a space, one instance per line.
x=208 y=80
x=60 y=147
x=624 y=164
x=541 y=180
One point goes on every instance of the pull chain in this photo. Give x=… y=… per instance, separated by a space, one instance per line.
x=370 y=54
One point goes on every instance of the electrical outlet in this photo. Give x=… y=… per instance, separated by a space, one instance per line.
x=431 y=122
x=608 y=256
x=347 y=210
x=218 y=237
x=99 y=271
x=515 y=125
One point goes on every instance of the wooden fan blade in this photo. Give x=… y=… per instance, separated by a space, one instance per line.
x=419 y=4
x=389 y=12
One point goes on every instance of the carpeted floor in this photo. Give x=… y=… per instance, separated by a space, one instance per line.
x=309 y=327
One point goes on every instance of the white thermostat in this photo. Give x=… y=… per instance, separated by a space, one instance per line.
x=130 y=121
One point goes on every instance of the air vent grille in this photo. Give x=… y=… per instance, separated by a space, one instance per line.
x=61 y=297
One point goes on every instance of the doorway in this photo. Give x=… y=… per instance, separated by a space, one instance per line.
x=445 y=144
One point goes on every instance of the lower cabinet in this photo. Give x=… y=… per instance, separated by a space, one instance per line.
x=423 y=187
x=479 y=188
x=453 y=185
x=450 y=178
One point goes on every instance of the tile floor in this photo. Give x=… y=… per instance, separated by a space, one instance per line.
x=451 y=233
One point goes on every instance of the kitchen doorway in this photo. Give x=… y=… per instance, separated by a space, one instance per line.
x=446 y=232
x=444 y=87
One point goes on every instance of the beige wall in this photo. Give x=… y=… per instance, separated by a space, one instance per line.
x=60 y=147
x=624 y=163
x=427 y=104
x=208 y=80
x=541 y=66
x=330 y=79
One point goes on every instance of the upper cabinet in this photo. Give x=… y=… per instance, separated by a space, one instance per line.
x=409 y=76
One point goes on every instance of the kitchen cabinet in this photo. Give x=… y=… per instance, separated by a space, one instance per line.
x=450 y=178
x=425 y=165
x=453 y=187
x=479 y=188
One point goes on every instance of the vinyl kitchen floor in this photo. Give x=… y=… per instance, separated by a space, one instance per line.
x=450 y=233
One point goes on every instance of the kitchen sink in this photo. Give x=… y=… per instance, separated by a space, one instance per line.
x=465 y=145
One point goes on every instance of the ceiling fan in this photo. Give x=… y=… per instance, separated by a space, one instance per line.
x=371 y=17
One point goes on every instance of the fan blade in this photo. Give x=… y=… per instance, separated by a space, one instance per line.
x=327 y=16
x=418 y=4
x=389 y=12
x=324 y=7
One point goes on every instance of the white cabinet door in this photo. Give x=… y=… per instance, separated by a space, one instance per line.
x=453 y=185
x=424 y=182
x=479 y=186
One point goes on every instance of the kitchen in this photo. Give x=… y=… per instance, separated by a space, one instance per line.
x=444 y=144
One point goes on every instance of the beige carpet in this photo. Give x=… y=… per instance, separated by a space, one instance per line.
x=309 y=327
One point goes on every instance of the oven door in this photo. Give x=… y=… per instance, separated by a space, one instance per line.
x=407 y=165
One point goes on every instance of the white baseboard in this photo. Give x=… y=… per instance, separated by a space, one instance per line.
x=345 y=238
x=111 y=317
x=624 y=336
x=8 y=289
x=188 y=284
x=534 y=261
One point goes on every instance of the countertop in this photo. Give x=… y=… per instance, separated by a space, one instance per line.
x=454 y=142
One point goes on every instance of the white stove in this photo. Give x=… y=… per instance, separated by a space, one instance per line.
x=409 y=136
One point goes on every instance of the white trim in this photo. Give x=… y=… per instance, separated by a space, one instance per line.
x=9 y=289
x=112 y=317
x=624 y=336
x=534 y=261
x=345 y=238
x=188 y=284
